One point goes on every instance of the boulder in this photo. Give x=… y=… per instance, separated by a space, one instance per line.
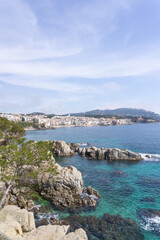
x=79 y=234
x=108 y=153
x=14 y=223
x=62 y=149
x=21 y=216
x=49 y=232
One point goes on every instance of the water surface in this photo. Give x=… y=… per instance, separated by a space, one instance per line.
x=139 y=184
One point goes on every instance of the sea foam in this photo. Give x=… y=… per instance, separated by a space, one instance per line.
x=152 y=157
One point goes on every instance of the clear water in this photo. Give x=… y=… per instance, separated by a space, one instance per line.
x=121 y=194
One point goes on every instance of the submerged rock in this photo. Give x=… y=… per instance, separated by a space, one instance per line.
x=147 y=200
x=106 y=228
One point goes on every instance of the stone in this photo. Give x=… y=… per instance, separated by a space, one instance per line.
x=11 y=229
x=79 y=234
x=24 y=218
x=73 y=146
x=30 y=205
x=12 y=226
x=49 y=232
x=62 y=149
x=108 y=153
x=92 y=191
x=21 y=202
x=92 y=202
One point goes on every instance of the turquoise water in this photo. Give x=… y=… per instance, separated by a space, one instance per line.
x=121 y=194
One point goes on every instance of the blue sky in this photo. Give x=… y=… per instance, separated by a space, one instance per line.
x=62 y=56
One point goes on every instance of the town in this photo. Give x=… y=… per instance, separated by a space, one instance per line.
x=45 y=122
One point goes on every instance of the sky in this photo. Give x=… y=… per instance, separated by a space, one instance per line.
x=64 y=56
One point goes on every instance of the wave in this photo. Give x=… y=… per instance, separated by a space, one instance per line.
x=82 y=144
x=151 y=224
x=150 y=157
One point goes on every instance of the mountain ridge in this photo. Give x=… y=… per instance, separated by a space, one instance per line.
x=125 y=112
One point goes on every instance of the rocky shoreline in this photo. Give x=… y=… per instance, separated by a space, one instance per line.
x=61 y=149
x=66 y=192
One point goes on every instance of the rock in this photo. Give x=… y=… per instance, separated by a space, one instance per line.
x=56 y=233
x=73 y=146
x=147 y=156
x=62 y=149
x=92 y=191
x=79 y=234
x=13 y=225
x=108 y=153
x=10 y=228
x=21 y=202
x=30 y=205
x=107 y=227
x=48 y=232
x=24 y=218
x=92 y=202
x=63 y=190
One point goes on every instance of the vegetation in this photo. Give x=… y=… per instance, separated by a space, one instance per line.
x=17 y=155
x=28 y=124
x=10 y=131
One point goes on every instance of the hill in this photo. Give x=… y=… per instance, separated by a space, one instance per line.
x=123 y=112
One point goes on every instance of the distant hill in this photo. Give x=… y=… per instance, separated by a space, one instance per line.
x=124 y=112
x=36 y=113
x=49 y=115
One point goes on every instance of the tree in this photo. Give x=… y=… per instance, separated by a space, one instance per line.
x=10 y=131
x=32 y=156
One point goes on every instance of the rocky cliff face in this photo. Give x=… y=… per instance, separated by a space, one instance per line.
x=18 y=224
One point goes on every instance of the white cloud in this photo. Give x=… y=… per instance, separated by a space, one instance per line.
x=27 y=51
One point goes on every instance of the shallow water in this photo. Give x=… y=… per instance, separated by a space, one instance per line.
x=139 y=184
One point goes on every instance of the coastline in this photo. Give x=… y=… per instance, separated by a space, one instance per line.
x=72 y=126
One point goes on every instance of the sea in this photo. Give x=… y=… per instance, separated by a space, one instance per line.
x=126 y=194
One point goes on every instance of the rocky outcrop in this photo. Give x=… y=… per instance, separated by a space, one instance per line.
x=107 y=153
x=64 y=190
x=18 y=224
x=62 y=149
